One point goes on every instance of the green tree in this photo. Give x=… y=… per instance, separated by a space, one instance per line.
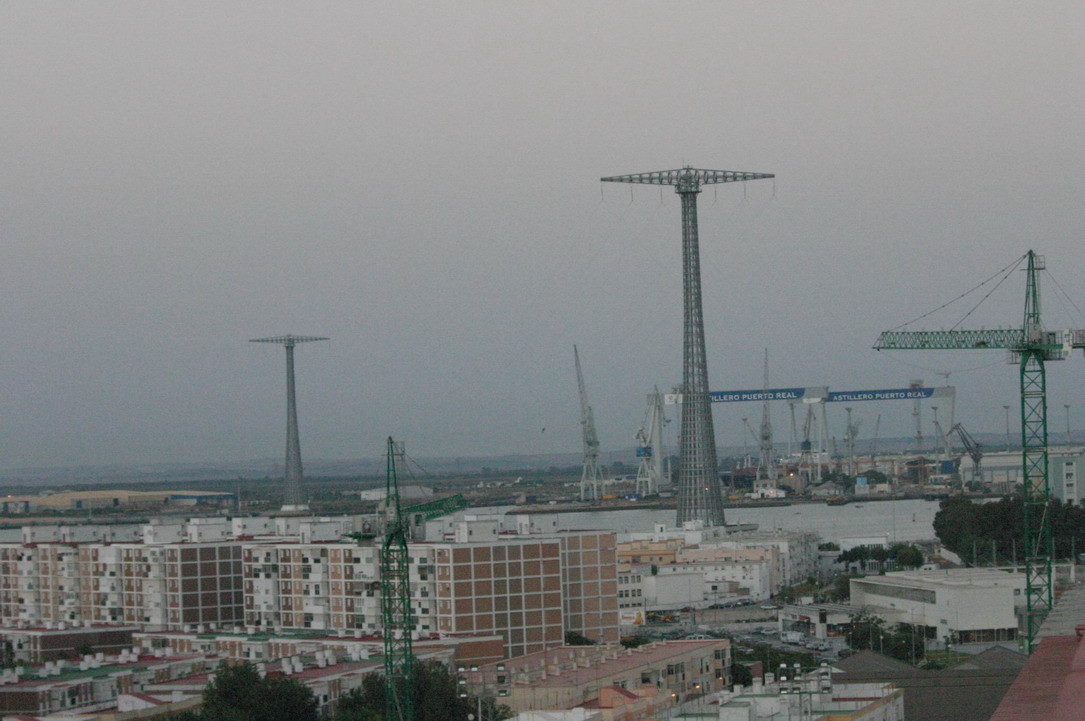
x=741 y=674
x=839 y=591
x=907 y=555
x=237 y=693
x=901 y=643
x=575 y=638
x=635 y=641
x=436 y=698
x=986 y=532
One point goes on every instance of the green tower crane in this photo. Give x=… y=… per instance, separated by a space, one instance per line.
x=1030 y=346
x=396 y=600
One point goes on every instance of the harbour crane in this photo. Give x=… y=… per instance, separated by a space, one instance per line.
x=650 y=471
x=589 y=478
x=1031 y=347
x=396 y=599
x=972 y=447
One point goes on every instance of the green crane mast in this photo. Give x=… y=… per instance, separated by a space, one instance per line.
x=396 y=601
x=1030 y=346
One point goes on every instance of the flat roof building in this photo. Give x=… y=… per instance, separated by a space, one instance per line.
x=961 y=605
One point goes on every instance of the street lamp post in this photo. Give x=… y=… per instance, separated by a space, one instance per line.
x=1067 y=407
x=1006 y=408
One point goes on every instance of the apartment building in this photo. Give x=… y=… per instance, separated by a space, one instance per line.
x=21 y=584
x=317 y=586
x=512 y=587
x=255 y=646
x=61 y=689
x=59 y=641
x=161 y=586
x=529 y=589
x=797 y=552
x=563 y=678
x=631 y=606
x=589 y=581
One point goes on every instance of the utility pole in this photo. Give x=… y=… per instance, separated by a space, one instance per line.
x=917 y=411
x=767 y=460
x=850 y=439
x=293 y=493
x=1007 y=409
x=1067 y=407
x=699 y=492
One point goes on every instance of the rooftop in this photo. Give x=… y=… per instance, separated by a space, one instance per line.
x=602 y=661
x=955 y=578
x=73 y=673
x=1051 y=687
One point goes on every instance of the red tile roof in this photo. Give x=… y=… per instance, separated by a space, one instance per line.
x=1051 y=686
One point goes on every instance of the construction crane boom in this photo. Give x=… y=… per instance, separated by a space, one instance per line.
x=1030 y=346
x=396 y=614
x=589 y=478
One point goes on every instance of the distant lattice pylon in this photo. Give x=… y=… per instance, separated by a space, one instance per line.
x=293 y=493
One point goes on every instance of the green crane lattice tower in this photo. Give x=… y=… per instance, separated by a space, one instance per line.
x=1031 y=346
x=396 y=601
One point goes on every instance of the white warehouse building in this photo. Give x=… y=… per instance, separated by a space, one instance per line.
x=963 y=605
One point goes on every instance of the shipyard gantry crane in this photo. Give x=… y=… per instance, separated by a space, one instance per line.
x=1030 y=346
x=396 y=600
x=589 y=478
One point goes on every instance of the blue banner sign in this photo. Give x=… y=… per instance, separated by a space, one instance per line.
x=892 y=394
x=820 y=394
x=771 y=394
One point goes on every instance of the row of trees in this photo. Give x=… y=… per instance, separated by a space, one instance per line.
x=991 y=532
x=902 y=642
x=238 y=693
x=902 y=555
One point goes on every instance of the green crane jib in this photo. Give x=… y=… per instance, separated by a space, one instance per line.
x=437 y=507
x=1031 y=346
x=396 y=601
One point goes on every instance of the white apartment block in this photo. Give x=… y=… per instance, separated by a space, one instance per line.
x=159 y=587
x=797 y=551
x=154 y=586
x=631 y=591
x=318 y=586
x=530 y=590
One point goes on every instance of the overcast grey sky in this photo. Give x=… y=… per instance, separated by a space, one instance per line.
x=419 y=181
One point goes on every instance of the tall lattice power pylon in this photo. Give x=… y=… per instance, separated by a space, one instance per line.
x=293 y=492
x=699 y=493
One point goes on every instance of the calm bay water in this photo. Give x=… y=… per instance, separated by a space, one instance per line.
x=910 y=520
